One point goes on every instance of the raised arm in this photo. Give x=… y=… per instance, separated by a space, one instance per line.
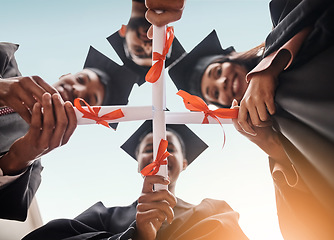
x=48 y=130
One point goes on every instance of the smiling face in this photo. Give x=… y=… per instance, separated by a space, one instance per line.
x=84 y=84
x=223 y=82
x=138 y=44
x=176 y=163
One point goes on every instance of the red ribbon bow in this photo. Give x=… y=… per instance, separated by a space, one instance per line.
x=93 y=113
x=154 y=166
x=195 y=103
x=155 y=71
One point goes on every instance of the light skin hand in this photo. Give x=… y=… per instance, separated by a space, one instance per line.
x=48 y=130
x=154 y=207
x=265 y=137
x=258 y=101
x=21 y=93
x=171 y=11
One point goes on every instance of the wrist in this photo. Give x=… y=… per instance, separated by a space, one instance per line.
x=270 y=144
x=10 y=166
x=137 y=236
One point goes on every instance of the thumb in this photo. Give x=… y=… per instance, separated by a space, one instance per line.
x=150 y=32
x=234 y=104
x=235 y=121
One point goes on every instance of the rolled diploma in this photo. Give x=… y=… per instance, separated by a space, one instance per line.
x=158 y=102
x=131 y=113
x=192 y=118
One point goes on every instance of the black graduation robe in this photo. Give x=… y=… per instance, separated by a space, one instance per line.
x=8 y=64
x=211 y=219
x=305 y=116
x=306 y=88
x=15 y=197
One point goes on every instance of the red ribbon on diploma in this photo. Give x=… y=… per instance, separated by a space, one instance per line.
x=93 y=113
x=195 y=103
x=155 y=71
x=154 y=166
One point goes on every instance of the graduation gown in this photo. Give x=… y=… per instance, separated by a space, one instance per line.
x=8 y=64
x=15 y=197
x=211 y=219
x=305 y=116
x=305 y=89
x=303 y=201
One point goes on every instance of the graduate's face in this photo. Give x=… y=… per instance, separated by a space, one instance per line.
x=176 y=162
x=137 y=42
x=84 y=84
x=223 y=82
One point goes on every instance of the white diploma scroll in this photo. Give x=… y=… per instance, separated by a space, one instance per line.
x=134 y=113
x=159 y=102
x=131 y=113
x=192 y=118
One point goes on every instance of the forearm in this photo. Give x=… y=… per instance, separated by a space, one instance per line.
x=280 y=60
x=272 y=146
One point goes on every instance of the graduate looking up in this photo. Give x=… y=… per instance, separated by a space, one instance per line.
x=133 y=46
x=215 y=74
x=29 y=133
x=156 y=214
x=101 y=82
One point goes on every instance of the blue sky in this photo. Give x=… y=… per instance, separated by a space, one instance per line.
x=54 y=38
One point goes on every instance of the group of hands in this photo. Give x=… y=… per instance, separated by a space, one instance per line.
x=52 y=122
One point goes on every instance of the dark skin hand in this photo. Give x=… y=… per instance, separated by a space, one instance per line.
x=21 y=93
x=50 y=128
x=264 y=137
x=258 y=102
x=171 y=11
x=154 y=207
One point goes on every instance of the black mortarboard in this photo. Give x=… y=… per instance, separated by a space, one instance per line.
x=118 y=80
x=193 y=145
x=188 y=71
x=118 y=43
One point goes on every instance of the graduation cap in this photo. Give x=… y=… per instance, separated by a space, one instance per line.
x=193 y=145
x=118 y=43
x=187 y=72
x=117 y=80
